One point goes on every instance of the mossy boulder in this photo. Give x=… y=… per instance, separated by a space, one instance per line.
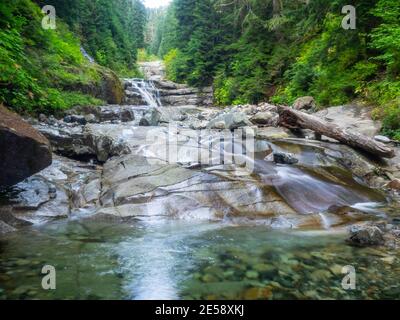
x=111 y=87
x=104 y=85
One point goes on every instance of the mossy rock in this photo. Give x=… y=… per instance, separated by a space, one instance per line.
x=104 y=85
x=111 y=87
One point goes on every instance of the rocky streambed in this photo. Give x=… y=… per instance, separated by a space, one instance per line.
x=185 y=201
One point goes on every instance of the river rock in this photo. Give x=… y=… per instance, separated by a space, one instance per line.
x=7 y=216
x=262 y=118
x=219 y=125
x=134 y=98
x=116 y=113
x=60 y=190
x=75 y=119
x=151 y=118
x=258 y=293
x=42 y=118
x=51 y=120
x=91 y=118
x=127 y=115
x=92 y=114
x=367 y=235
x=91 y=141
x=111 y=87
x=394 y=184
x=272 y=133
x=104 y=146
x=304 y=103
x=24 y=151
x=153 y=70
x=232 y=120
x=141 y=187
x=382 y=139
x=284 y=158
x=351 y=117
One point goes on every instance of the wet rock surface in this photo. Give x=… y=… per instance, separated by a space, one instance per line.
x=158 y=192
x=366 y=236
x=380 y=233
x=284 y=158
x=59 y=191
x=140 y=181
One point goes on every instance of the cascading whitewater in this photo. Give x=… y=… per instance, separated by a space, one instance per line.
x=147 y=91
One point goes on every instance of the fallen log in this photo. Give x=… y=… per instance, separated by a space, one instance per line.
x=294 y=119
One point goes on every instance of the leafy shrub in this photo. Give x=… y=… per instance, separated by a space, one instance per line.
x=175 y=62
x=145 y=56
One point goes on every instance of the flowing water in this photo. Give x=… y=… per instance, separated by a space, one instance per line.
x=189 y=260
x=147 y=90
x=189 y=257
x=170 y=258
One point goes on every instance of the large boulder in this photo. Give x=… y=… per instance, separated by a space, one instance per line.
x=107 y=87
x=151 y=118
x=263 y=118
x=23 y=150
x=85 y=142
x=111 y=87
x=232 y=120
x=367 y=235
x=284 y=158
x=304 y=103
x=351 y=117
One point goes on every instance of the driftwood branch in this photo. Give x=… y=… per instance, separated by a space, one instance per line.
x=294 y=119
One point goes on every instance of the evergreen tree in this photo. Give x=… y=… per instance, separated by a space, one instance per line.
x=111 y=31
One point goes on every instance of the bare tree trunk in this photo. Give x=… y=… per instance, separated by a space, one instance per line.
x=294 y=119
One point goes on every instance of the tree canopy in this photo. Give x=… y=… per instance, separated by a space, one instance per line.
x=279 y=50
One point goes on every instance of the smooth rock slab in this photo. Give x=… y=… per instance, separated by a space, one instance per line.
x=354 y=118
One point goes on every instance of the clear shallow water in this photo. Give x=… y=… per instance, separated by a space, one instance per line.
x=190 y=260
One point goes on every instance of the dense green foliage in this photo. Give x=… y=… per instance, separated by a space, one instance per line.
x=249 y=50
x=110 y=31
x=279 y=50
x=45 y=71
x=36 y=64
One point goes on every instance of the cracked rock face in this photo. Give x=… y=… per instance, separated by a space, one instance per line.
x=143 y=183
x=60 y=191
x=134 y=187
x=83 y=142
x=139 y=180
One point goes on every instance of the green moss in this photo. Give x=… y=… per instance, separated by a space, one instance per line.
x=55 y=100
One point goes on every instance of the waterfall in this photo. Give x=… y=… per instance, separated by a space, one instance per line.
x=145 y=90
x=86 y=55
